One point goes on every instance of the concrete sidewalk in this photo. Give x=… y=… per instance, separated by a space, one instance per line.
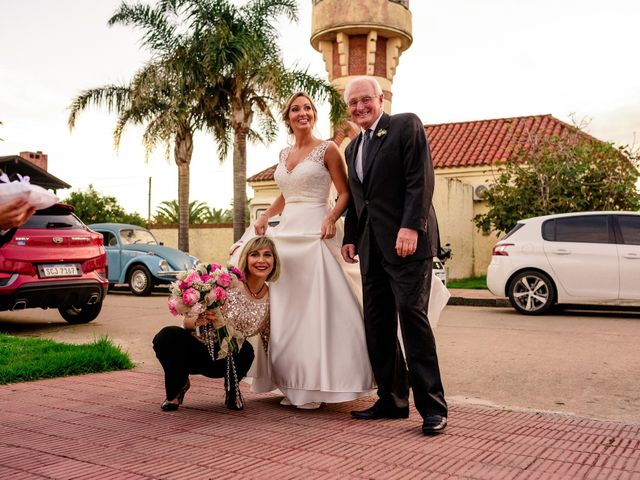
x=110 y=426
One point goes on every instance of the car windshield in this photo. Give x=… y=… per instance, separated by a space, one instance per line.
x=130 y=236
x=53 y=221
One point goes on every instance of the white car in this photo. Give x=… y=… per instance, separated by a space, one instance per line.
x=586 y=258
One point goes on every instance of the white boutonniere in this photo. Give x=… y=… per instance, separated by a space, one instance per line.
x=381 y=133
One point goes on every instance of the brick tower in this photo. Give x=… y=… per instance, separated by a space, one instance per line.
x=361 y=37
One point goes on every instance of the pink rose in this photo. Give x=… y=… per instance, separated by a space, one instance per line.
x=214 y=267
x=221 y=294
x=205 y=277
x=224 y=280
x=211 y=297
x=236 y=271
x=172 y=306
x=192 y=277
x=190 y=296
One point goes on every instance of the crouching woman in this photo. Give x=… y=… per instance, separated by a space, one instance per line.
x=184 y=351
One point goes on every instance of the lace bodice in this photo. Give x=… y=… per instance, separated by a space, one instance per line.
x=309 y=181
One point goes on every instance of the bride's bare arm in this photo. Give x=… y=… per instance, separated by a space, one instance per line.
x=337 y=169
x=274 y=209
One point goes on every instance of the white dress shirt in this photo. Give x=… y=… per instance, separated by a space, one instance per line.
x=359 y=167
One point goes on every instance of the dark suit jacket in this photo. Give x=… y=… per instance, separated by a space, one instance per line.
x=396 y=191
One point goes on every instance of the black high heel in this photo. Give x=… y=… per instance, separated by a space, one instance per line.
x=186 y=387
x=168 y=406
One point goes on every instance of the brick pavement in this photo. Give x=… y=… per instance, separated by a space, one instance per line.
x=109 y=426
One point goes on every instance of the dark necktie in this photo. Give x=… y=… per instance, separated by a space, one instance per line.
x=366 y=140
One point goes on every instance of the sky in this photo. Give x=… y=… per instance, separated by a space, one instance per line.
x=470 y=60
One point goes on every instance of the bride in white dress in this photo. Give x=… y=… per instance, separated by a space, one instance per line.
x=317 y=347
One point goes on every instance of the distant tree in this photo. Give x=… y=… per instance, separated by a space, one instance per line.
x=572 y=173
x=167 y=213
x=218 y=215
x=165 y=95
x=94 y=207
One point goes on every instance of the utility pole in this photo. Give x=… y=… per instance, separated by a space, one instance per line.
x=149 y=202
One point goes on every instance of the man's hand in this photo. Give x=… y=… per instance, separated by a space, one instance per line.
x=407 y=242
x=349 y=253
x=15 y=213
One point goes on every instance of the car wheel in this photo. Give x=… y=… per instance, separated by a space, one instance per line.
x=140 y=282
x=83 y=314
x=532 y=293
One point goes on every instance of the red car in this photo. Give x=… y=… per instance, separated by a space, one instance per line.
x=54 y=261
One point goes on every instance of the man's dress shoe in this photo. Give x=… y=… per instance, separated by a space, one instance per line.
x=433 y=424
x=378 y=411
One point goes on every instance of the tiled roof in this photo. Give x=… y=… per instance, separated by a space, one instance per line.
x=486 y=142
x=264 y=175
x=479 y=142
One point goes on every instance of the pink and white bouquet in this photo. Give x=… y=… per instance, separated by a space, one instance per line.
x=201 y=289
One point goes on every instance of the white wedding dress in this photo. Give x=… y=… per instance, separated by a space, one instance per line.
x=317 y=347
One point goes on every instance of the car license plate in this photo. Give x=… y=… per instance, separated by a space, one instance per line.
x=59 y=270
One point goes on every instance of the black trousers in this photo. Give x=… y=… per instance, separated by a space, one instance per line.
x=393 y=292
x=181 y=355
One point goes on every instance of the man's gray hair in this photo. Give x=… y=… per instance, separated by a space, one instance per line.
x=374 y=83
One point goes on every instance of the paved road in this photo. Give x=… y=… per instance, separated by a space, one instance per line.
x=585 y=364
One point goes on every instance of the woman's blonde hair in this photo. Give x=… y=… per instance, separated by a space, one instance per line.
x=258 y=243
x=287 y=107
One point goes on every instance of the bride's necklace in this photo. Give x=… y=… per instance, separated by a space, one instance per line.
x=256 y=294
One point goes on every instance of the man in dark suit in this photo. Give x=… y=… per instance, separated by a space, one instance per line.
x=13 y=214
x=392 y=228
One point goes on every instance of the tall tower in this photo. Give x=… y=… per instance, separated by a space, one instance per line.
x=361 y=37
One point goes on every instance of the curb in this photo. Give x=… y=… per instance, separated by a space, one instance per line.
x=479 y=302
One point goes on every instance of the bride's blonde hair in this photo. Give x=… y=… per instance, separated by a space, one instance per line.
x=287 y=107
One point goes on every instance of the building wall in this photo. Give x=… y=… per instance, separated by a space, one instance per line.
x=209 y=243
x=454 y=207
x=482 y=244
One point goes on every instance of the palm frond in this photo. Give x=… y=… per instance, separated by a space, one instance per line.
x=114 y=97
x=159 y=35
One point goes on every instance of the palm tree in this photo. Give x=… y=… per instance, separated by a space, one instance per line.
x=218 y=215
x=241 y=57
x=161 y=96
x=168 y=212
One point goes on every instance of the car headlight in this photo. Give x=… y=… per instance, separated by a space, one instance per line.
x=164 y=265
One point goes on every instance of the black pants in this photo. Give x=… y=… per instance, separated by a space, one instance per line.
x=181 y=355
x=393 y=292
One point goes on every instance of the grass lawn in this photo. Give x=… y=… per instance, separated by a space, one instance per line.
x=475 y=283
x=26 y=359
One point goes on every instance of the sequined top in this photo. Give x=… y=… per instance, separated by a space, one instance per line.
x=247 y=314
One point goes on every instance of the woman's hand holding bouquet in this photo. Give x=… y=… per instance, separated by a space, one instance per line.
x=198 y=295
